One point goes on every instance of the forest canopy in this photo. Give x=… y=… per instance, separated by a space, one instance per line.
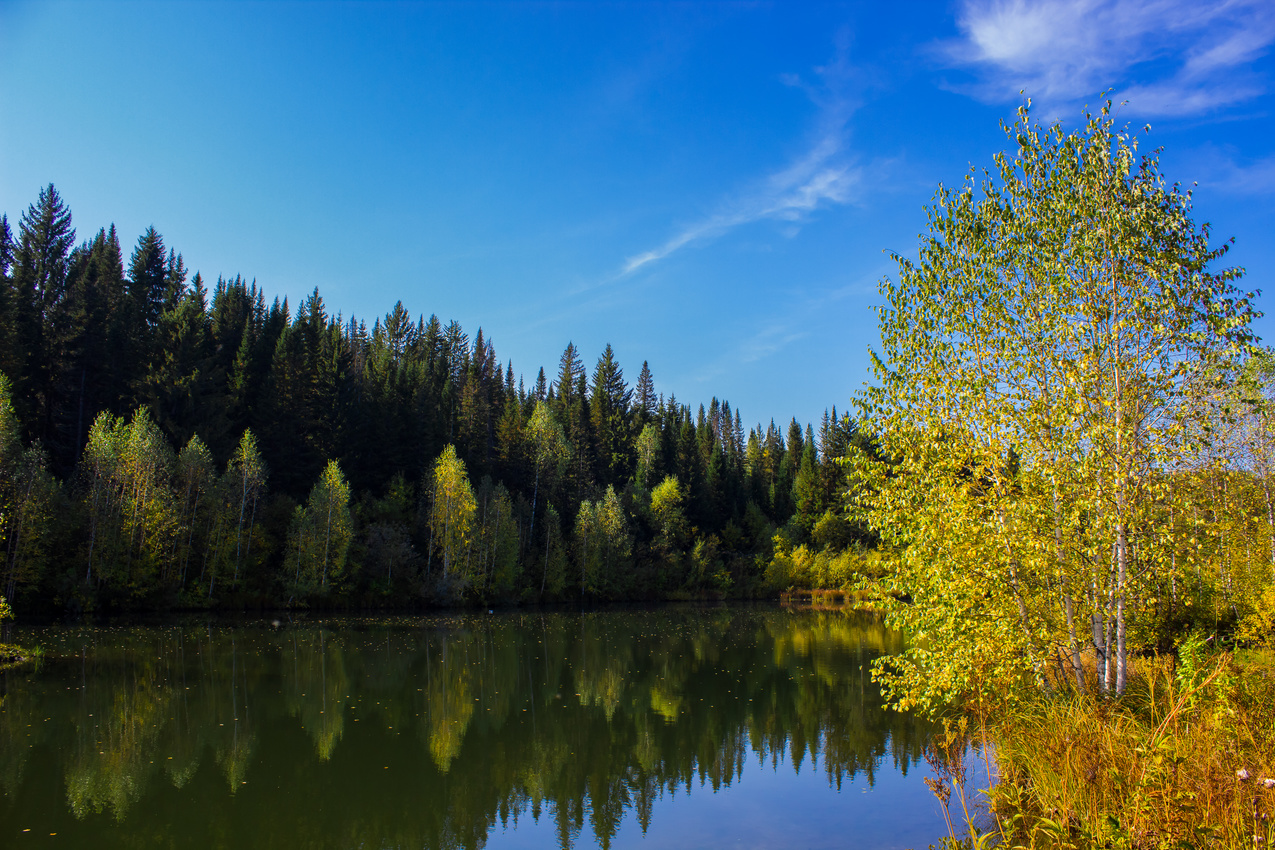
x=166 y=441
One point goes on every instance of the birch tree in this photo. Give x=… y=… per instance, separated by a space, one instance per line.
x=247 y=476
x=549 y=448
x=648 y=454
x=604 y=543
x=1032 y=395
x=321 y=532
x=99 y=470
x=452 y=512
x=195 y=486
x=668 y=515
x=132 y=521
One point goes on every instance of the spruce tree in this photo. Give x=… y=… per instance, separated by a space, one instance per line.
x=41 y=263
x=644 y=400
x=609 y=411
x=148 y=278
x=570 y=371
x=94 y=346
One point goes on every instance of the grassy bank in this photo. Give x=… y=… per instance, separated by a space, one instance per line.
x=1186 y=758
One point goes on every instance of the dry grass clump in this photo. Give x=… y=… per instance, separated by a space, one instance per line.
x=1186 y=758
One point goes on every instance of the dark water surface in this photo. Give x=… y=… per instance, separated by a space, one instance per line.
x=730 y=727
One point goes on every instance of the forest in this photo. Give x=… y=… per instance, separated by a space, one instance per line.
x=170 y=443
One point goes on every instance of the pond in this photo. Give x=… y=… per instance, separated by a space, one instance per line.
x=720 y=727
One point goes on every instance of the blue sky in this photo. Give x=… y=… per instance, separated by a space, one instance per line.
x=709 y=187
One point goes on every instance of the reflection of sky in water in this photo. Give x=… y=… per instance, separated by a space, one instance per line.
x=440 y=732
x=771 y=807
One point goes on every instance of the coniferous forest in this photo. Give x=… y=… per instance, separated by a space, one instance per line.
x=171 y=442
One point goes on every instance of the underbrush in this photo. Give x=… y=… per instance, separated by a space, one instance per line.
x=830 y=568
x=1186 y=758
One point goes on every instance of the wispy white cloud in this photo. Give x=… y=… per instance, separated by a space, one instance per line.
x=791 y=325
x=761 y=344
x=824 y=175
x=1165 y=57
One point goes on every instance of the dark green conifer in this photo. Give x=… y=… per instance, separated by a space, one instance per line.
x=148 y=279
x=644 y=400
x=609 y=411
x=41 y=263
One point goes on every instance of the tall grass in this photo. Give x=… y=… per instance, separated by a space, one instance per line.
x=1186 y=758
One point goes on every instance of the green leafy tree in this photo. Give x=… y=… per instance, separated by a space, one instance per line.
x=668 y=513
x=548 y=448
x=451 y=514
x=648 y=454
x=321 y=532
x=133 y=522
x=99 y=470
x=246 y=481
x=604 y=543
x=1036 y=377
x=27 y=494
x=150 y=523
x=195 y=486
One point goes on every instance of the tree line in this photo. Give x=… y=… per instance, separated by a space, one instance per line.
x=165 y=442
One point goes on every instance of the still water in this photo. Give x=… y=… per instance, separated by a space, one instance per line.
x=730 y=727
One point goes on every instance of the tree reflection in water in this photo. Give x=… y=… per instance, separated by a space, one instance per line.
x=430 y=732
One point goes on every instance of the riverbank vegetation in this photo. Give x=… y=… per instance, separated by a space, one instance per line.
x=1074 y=486
x=10 y=654
x=166 y=443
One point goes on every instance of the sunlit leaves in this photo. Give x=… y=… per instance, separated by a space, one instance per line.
x=1040 y=362
x=320 y=536
x=452 y=509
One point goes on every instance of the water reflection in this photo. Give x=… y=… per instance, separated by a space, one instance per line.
x=430 y=732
